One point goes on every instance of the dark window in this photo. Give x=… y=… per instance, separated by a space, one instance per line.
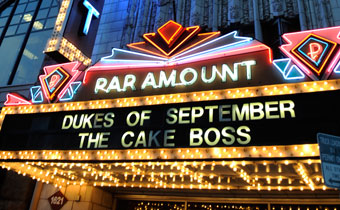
x=45 y=4
x=6 y=12
x=25 y=32
x=3 y=22
x=8 y=54
x=20 y=9
x=30 y=62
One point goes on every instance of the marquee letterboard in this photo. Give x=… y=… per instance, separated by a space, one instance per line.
x=270 y=120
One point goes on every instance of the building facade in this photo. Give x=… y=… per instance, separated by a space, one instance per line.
x=175 y=109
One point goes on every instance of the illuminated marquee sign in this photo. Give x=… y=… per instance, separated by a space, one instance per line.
x=314 y=53
x=75 y=31
x=92 y=12
x=280 y=120
x=221 y=97
x=178 y=59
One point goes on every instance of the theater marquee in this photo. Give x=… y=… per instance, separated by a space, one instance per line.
x=177 y=63
x=280 y=120
x=182 y=89
x=180 y=64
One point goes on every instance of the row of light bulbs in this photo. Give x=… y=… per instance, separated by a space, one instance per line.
x=62 y=45
x=304 y=150
x=168 y=174
x=61 y=178
x=178 y=98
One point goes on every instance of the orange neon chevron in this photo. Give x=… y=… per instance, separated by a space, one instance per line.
x=193 y=30
x=150 y=49
x=172 y=39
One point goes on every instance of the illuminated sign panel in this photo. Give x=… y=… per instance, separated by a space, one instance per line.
x=280 y=120
x=57 y=83
x=314 y=52
x=223 y=98
x=179 y=60
x=83 y=24
x=218 y=73
x=75 y=31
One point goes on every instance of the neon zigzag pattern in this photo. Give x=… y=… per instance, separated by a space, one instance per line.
x=293 y=40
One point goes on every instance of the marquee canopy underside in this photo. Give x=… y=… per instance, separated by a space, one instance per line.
x=293 y=168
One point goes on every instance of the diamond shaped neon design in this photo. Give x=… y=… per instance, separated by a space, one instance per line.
x=314 y=51
x=313 y=56
x=64 y=74
x=172 y=39
x=54 y=81
x=170 y=31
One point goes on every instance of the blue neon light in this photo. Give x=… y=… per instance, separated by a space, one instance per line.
x=111 y=59
x=36 y=94
x=240 y=41
x=47 y=84
x=294 y=73
x=71 y=91
x=67 y=96
x=288 y=73
x=320 y=58
x=282 y=64
x=91 y=12
x=75 y=86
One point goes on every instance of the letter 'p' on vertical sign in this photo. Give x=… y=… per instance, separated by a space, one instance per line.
x=91 y=12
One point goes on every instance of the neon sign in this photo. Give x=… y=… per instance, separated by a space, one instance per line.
x=314 y=52
x=13 y=99
x=54 y=81
x=186 y=77
x=174 y=61
x=178 y=59
x=92 y=12
x=289 y=71
x=58 y=83
x=170 y=32
x=315 y=49
x=170 y=38
x=36 y=94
